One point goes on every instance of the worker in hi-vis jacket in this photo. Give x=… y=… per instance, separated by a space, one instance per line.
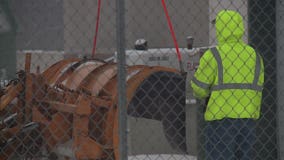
x=231 y=77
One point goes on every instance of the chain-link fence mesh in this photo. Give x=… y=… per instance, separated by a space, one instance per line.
x=60 y=80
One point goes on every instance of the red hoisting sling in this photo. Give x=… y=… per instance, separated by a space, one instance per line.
x=173 y=36
x=97 y=28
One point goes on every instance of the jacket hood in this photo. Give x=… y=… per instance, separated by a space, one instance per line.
x=229 y=26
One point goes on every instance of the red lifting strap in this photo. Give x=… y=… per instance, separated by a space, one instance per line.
x=97 y=28
x=173 y=35
x=169 y=23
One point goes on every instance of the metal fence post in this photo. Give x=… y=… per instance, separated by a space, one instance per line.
x=280 y=86
x=263 y=38
x=120 y=20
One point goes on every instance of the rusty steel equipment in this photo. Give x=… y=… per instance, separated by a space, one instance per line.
x=76 y=100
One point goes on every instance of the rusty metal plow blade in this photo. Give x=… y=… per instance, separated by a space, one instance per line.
x=73 y=104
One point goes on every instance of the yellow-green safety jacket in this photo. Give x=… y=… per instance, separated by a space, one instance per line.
x=231 y=73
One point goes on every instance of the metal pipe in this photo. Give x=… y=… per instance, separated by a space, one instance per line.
x=279 y=69
x=120 y=32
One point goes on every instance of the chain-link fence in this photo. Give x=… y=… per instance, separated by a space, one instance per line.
x=67 y=94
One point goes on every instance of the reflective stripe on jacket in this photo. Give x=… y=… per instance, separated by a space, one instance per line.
x=232 y=73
